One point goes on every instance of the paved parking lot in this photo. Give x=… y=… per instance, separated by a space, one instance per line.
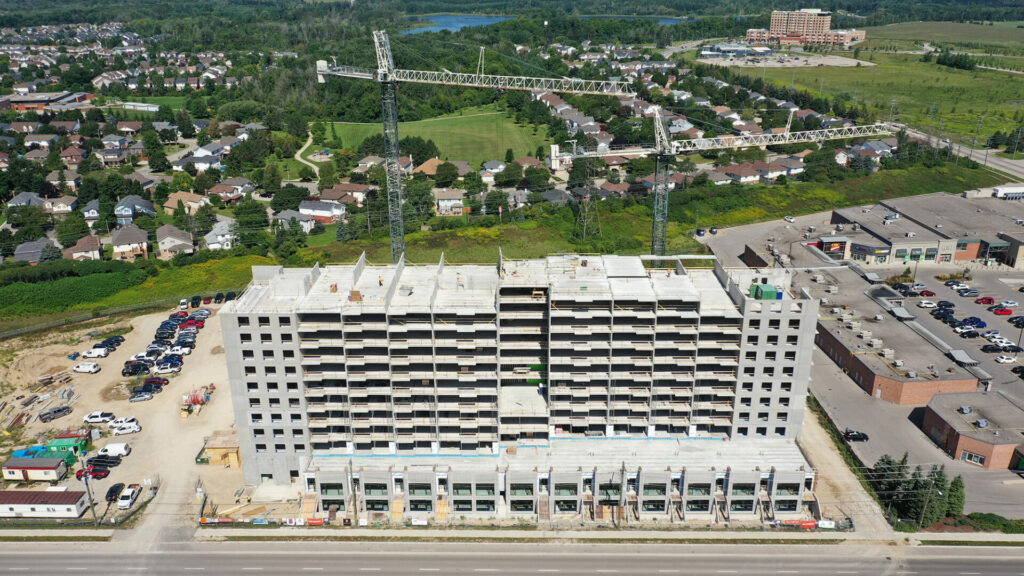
x=166 y=447
x=1000 y=285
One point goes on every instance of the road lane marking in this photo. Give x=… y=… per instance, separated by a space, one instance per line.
x=608 y=571
x=430 y=569
x=313 y=568
x=193 y=568
x=485 y=570
x=846 y=572
x=970 y=573
x=369 y=569
x=253 y=568
x=76 y=569
x=668 y=571
x=726 y=571
x=548 y=570
x=787 y=571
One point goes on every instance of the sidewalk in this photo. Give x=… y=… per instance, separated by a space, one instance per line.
x=56 y=533
x=210 y=533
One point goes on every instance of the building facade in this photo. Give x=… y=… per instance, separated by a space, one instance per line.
x=468 y=368
x=806 y=26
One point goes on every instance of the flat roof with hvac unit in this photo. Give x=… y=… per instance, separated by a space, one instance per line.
x=982 y=428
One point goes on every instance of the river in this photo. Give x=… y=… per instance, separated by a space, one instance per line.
x=456 y=22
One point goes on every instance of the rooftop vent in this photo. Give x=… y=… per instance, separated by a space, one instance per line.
x=965 y=409
x=982 y=423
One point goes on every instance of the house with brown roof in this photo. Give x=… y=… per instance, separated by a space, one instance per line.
x=171 y=240
x=146 y=182
x=618 y=188
x=41 y=503
x=36 y=155
x=73 y=155
x=343 y=189
x=130 y=242
x=88 y=247
x=330 y=195
x=129 y=128
x=67 y=178
x=742 y=173
x=61 y=206
x=429 y=167
x=227 y=193
x=189 y=201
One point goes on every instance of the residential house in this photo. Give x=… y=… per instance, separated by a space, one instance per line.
x=131 y=207
x=200 y=163
x=137 y=149
x=324 y=212
x=226 y=193
x=171 y=240
x=73 y=155
x=37 y=155
x=366 y=163
x=62 y=206
x=113 y=156
x=842 y=157
x=742 y=173
x=792 y=166
x=88 y=247
x=91 y=212
x=25 y=127
x=129 y=128
x=554 y=196
x=26 y=199
x=189 y=201
x=490 y=169
x=462 y=166
x=429 y=167
x=44 y=141
x=303 y=221
x=726 y=113
x=617 y=188
x=5 y=160
x=769 y=170
x=115 y=141
x=241 y=185
x=220 y=237
x=146 y=182
x=31 y=251
x=67 y=178
x=717 y=178
x=747 y=128
x=340 y=191
x=448 y=202
x=66 y=127
x=130 y=242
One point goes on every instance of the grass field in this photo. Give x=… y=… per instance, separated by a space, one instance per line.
x=960 y=96
x=175 y=102
x=719 y=206
x=952 y=33
x=476 y=135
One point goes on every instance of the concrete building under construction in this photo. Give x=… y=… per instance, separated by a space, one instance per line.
x=561 y=386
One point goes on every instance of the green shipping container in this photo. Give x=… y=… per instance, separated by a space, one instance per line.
x=767 y=292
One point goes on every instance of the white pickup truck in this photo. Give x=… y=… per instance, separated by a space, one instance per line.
x=128 y=497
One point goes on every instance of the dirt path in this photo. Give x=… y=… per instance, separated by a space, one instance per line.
x=838 y=490
x=298 y=156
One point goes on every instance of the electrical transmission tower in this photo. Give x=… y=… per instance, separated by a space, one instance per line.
x=388 y=76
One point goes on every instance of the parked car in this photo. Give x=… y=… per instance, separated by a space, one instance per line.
x=195 y=301
x=207 y=299
x=183 y=305
x=991 y=348
x=104 y=461
x=156 y=381
x=54 y=413
x=195 y=322
x=900 y=286
x=971 y=334
x=789 y=219
x=218 y=298
x=990 y=333
x=117 y=340
x=229 y=297
x=950 y=282
x=1002 y=311
x=164 y=334
x=167 y=369
x=98 y=417
x=1006 y=359
x=96 y=353
x=927 y=293
x=127 y=429
x=919 y=286
x=143 y=397
x=94 y=472
x=1009 y=303
x=135 y=370
x=963 y=328
x=945 y=304
x=985 y=300
x=1017 y=369
x=114 y=492
x=122 y=421
x=180 y=350
x=147 y=389
x=854 y=436
x=87 y=368
x=128 y=497
x=120 y=449
x=926 y=304
x=1013 y=349
x=148 y=355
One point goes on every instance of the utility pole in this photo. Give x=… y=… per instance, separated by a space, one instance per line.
x=88 y=490
x=977 y=132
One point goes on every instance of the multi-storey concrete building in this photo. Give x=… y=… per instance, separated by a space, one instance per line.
x=806 y=26
x=387 y=389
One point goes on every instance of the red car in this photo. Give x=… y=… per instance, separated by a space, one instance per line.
x=179 y=314
x=156 y=381
x=985 y=300
x=207 y=299
x=94 y=472
x=196 y=323
x=927 y=293
x=1003 y=311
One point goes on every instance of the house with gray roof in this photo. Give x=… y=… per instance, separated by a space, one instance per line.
x=26 y=199
x=131 y=207
x=221 y=236
x=130 y=242
x=31 y=251
x=303 y=221
x=171 y=240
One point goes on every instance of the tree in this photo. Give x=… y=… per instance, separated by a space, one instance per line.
x=538 y=178
x=341 y=235
x=49 y=253
x=539 y=154
x=510 y=176
x=158 y=160
x=181 y=181
x=473 y=183
x=251 y=221
x=328 y=176
x=494 y=200
x=306 y=173
x=446 y=175
x=288 y=198
x=91 y=163
x=509 y=156
x=419 y=201
x=71 y=229
x=271 y=179
x=956 y=498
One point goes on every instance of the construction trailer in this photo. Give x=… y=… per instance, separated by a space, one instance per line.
x=35 y=469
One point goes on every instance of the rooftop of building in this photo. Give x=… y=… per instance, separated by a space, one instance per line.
x=953 y=216
x=918 y=356
x=655 y=454
x=1002 y=419
x=358 y=288
x=873 y=220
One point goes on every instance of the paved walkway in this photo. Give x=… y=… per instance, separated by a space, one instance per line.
x=298 y=156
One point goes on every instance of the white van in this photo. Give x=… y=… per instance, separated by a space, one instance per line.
x=128 y=497
x=116 y=449
x=183 y=305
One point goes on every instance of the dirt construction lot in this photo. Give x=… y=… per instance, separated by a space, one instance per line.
x=787 y=61
x=165 y=450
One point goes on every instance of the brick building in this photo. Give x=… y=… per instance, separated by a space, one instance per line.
x=981 y=428
x=806 y=26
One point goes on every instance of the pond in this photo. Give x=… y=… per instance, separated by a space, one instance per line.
x=453 y=22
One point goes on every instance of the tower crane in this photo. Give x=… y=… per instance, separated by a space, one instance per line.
x=388 y=77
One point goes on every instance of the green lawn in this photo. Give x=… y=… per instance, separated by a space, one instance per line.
x=476 y=135
x=174 y=102
x=717 y=206
x=951 y=32
x=960 y=96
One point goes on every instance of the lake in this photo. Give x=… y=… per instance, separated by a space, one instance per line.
x=456 y=22
x=453 y=22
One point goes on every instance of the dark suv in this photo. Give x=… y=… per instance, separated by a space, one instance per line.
x=135 y=370
x=854 y=436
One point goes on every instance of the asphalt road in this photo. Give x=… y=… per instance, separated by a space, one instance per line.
x=1014 y=168
x=516 y=559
